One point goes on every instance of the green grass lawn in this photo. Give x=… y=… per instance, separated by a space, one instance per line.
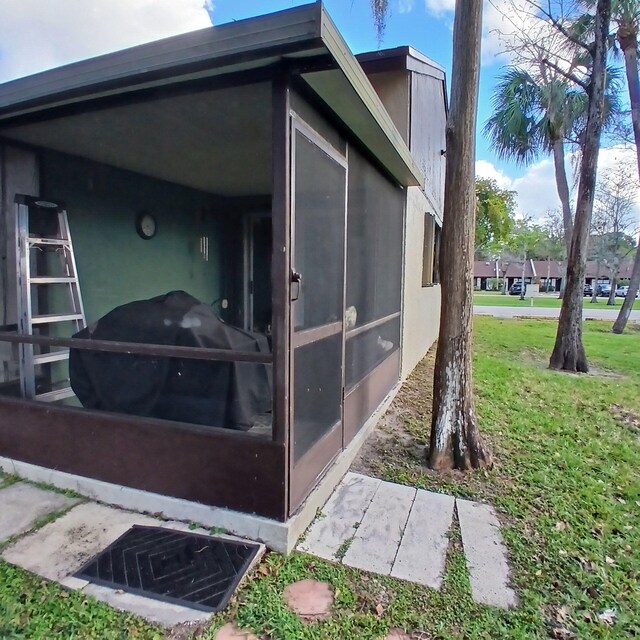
x=543 y=301
x=566 y=483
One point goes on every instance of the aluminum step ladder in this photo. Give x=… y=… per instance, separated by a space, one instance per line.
x=31 y=249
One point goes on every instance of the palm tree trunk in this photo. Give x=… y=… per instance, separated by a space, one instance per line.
x=568 y=352
x=562 y=186
x=628 y=38
x=455 y=438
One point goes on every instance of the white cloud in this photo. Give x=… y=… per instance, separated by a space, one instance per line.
x=494 y=22
x=406 y=6
x=439 y=7
x=485 y=169
x=37 y=35
x=536 y=189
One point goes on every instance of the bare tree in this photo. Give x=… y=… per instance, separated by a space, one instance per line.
x=613 y=219
x=455 y=438
x=568 y=352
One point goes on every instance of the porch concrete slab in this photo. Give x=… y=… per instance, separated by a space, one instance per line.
x=60 y=548
x=22 y=505
x=423 y=551
x=375 y=544
x=486 y=555
x=340 y=517
x=163 y=613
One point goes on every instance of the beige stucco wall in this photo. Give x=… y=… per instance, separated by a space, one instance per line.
x=421 y=309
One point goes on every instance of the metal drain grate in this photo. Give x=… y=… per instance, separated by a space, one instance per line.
x=188 y=569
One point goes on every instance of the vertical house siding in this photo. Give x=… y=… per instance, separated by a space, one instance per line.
x=428 y=122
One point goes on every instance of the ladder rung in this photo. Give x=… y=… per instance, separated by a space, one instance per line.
x=51 y=280
x=56 y=394
x=58 y=242
x=50 y=318
x=54 y=356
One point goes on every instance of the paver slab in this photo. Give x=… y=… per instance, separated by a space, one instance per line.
x=340 y=516
x=22 y=505
x=486 y=555
x=376 y=541
x=164 y=613
x=62 y=547
x=423 y=551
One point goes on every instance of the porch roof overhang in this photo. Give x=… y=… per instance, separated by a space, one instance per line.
x=304 y=37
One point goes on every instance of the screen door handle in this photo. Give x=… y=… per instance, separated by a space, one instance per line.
x=296 y=285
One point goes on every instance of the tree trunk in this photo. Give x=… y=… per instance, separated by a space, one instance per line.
x=522 y=286
x=612 y=293
x=568 y=352
x=628 y=39
x=594 y=294
x=562 y=186
x=627 y=305
x=455 y=439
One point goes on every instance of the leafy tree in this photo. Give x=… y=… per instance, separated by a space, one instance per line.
x=494 y=214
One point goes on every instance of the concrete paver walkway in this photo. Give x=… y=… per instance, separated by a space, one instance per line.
x=58 y=549
x=23 y=504
x=367 y=523
x=403 y=532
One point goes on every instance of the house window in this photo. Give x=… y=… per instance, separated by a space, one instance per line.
x=436 y=253
x=428 y=250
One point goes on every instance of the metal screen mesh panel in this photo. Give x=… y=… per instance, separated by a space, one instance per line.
x=319 y=235
x=365 y=351
x=374 y=242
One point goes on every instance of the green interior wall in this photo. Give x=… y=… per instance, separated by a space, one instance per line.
x=115 y=265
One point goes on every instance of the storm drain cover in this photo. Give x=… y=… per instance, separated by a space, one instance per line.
x=191 y=570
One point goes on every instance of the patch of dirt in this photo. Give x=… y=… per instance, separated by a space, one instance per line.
x=627 y=419
x=187 y=630
x=390 y=438
x=542 y=362
x=395 y=449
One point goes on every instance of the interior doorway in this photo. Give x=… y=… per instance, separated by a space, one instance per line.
x=257 y=268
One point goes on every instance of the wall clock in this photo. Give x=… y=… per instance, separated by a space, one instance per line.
x=146 y=225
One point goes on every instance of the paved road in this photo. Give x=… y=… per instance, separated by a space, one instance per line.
x=539 y=312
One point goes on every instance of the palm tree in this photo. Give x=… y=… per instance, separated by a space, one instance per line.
x=531 y=117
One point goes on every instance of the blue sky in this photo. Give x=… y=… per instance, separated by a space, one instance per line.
x=409 y=23
x=41 y=34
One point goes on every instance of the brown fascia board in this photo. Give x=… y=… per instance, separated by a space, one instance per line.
x=240 y=45
x=406 y=58
x=404 y=168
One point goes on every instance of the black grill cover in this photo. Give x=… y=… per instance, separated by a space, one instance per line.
x=221 y=394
